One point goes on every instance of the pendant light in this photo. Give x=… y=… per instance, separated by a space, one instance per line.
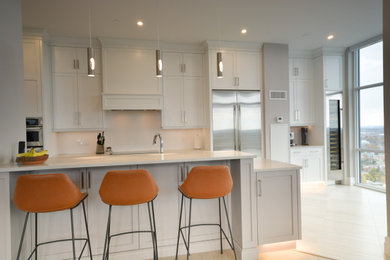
x=158 y=52
x=90 y=52
x=219 y=53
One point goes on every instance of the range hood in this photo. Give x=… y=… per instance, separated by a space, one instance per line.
x=132 y=102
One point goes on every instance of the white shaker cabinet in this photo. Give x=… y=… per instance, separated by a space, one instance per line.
x=278 y=205
x=32 y=77
x=184 y=91
x=76 y=96
x=311 y=160
x=241 y=70
x=333 y=73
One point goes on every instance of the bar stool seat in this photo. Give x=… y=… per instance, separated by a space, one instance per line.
x=126 y=188
x=206 y=182
x=42 y=193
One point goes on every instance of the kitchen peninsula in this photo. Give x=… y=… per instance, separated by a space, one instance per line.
x=257 y=197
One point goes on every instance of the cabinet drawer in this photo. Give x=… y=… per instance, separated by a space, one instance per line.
x=314 y=152
x=296 y=152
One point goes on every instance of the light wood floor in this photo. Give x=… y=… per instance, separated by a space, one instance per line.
x=343 y=222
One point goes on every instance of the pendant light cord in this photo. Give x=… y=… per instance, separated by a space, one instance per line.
x=89 y=23
x=158 y=25
x=219 y=25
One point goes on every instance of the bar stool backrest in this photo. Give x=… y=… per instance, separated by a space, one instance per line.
x=128 y=187
x=207 y=182
x=46 y=193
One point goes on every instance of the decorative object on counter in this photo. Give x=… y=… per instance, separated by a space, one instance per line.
x=109 y=150
x=292 y=139
x=304 y=134
x=32 y=157
x=90 y=52
x=100 y=143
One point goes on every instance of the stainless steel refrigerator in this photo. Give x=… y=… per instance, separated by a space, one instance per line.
x=237 y=121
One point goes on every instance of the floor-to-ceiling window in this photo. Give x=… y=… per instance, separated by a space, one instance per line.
x=368 y=88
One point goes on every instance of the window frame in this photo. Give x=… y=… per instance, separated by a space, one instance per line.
x=356 y=88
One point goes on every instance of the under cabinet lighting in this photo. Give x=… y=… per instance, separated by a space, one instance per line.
x=219 y=65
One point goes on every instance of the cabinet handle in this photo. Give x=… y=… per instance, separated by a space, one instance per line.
x=78 y=64
x=74 y=64
x=184 y=68
x=186 y=170
x=181 y=174
x=295 y=115
x=238 y=81
x=78 y=118
x=259 y=191
x=89 y=179
x=185 y=117
x=82 y=180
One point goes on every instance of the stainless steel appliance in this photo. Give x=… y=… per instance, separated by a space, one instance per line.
x=292 y=136
x=237 y=121
x=34 y=132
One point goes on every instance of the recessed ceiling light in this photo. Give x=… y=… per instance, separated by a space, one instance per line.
x=140 y=23
x=244 y=31
x=330 y=37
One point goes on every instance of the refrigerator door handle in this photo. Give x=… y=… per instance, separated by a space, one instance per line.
x=235 y=126
x=239 y=126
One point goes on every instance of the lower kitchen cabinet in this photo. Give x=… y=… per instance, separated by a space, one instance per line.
x=310 y=158
x=123 y=218
x=278 y=206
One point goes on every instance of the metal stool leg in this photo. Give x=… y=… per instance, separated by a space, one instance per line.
x=230 y=229
x=155 y=231
x=106 y=242
x=73 y=244
x=22 y=238
x=189 y=232
x=36 y=236
x=220 y=223
x=152 y=232
x=178 y=233
x=86 y=228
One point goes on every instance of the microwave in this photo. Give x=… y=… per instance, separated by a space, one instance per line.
x=34 y=132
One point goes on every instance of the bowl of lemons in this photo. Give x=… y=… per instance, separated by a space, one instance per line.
x=32 y=157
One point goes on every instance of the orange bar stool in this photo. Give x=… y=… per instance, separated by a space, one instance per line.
x=126 y=188
x=206 y=182
x=42 y=193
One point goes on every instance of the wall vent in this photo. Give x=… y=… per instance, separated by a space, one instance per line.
x=277 y=95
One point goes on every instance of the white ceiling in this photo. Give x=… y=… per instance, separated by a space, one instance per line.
x=303 y=24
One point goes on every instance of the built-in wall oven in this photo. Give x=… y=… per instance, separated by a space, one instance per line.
x=34 y=132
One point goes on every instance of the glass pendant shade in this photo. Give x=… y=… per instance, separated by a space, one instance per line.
x=91 y=62
x=219 y=65
x=158 y=64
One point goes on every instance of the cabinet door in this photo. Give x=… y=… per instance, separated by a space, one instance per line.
x=172 y=64
x=247 y=70
x=227 y=81
x=313 y=170
x=90 y=102
x=129 y=71
x=33 y=98
x=123 y=218
x=304 y=69
x=278 y=201
x=297 y=157
x=31 y=59
x=82 y=57
x=193 y=64
x=293 y=112
x=57 y=225
x=193 y=98
x=304 y=101
x=64 y=60
x=205 y=211
x=65 y=101
x=166 y=206
x=333 y=72
x=173 y=113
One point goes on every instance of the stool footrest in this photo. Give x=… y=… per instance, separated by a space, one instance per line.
x=131 y=232
x=60 y=240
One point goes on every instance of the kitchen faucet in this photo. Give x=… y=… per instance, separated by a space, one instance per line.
x=161 y=141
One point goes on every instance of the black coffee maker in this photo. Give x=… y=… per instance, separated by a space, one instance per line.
x=304 y=133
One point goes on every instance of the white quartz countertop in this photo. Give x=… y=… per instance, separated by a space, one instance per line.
x=94 y=160
x=265 y=165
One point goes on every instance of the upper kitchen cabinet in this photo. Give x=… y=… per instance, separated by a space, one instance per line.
x=32 y=59
x=241 y=70
x=130 y=71
x=183 y=92
x=182 y=64
x=76 y=96
x=333 y=73
x=301 y=68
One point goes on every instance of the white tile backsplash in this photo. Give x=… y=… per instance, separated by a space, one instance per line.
x=129 y=131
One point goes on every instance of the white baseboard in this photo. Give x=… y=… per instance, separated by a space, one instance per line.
x=387 y=245
x=349 y=181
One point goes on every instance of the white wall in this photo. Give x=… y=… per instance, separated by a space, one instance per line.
x=275 y=68
x=128 y=131
x=12 y=116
